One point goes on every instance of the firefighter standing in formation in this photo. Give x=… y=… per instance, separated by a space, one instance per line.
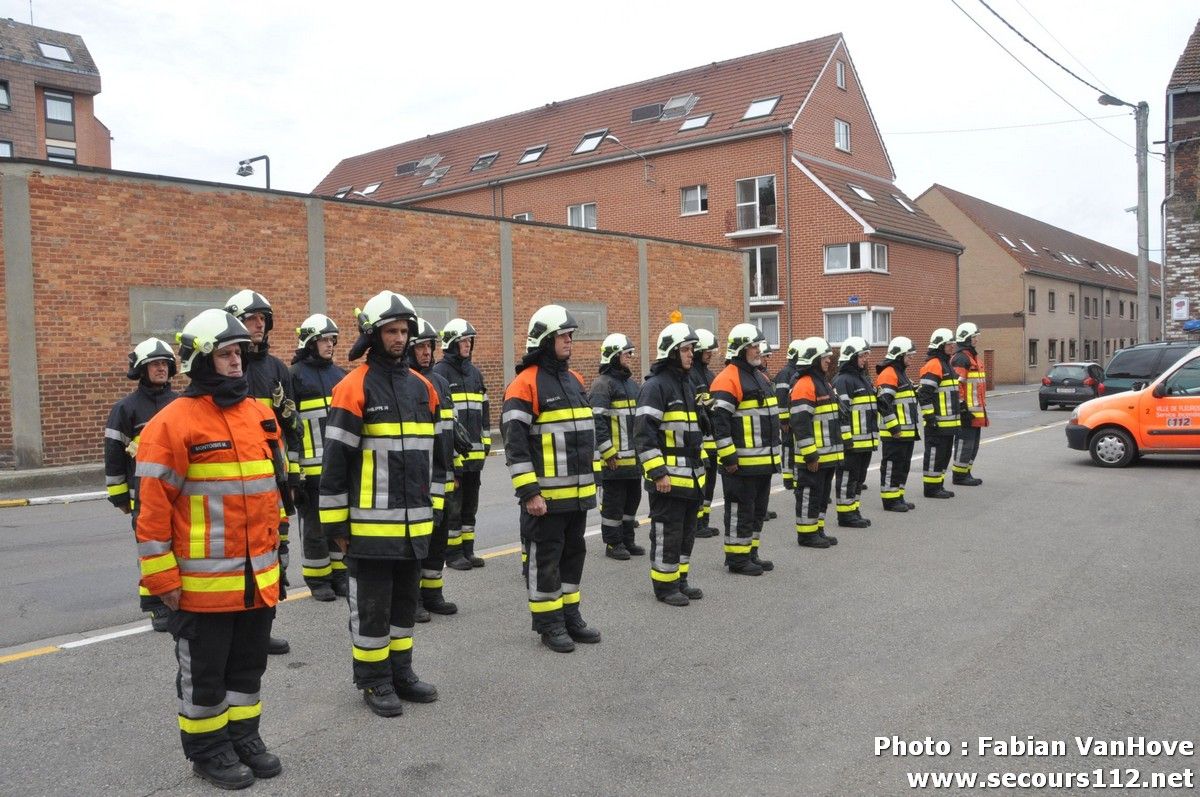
x=670 y=450
x=746 y=428
x=860 y=430
x=420 y=359
x=613 y=398
x=550 y=449
x=898 y=423
x=937 y=393
x=972 y=381
x=152 y=364
x=701 y=377
x=814 y=416
x=271 y=384
x=469 y=394
x=314 y=376
x=784 y=380
x=210 y=476
x=383 y=476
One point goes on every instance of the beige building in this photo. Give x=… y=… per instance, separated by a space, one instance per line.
x=1039 y=293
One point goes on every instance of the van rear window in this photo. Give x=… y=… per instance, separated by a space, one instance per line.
x=1068 y=372
x=1134 y=364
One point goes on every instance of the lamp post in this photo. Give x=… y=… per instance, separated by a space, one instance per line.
x=245 y=169
x=617 y=141
x=1141 y=115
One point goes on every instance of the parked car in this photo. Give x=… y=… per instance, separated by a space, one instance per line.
x=1070 y=384
x=1163 y=418
x=1141 y=364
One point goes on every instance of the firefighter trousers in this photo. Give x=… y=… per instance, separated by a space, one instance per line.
x=321 y=563
x=966 y=447
x=894 y=464
x=556 y=551
x=462 y=504
x=618 y=507
x=849 y=480
x=704 y=513
x=433 y=565
x=938 y=447
x=812 y=497
x=383 y=600
x=745 y=512
x=672 y=535
x=222 y=657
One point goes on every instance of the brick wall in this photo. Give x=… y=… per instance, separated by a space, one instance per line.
x=6 y=441
x=1183 y=211
x=23 y=123
x=97 y=235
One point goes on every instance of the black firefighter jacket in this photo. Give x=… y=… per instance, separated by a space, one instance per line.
x=667 y=432
x=122 y=434
x=471 y=407
x=613 y=398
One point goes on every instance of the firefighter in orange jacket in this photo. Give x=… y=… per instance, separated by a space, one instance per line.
x=972 y=386
x=210 y=481
x=937 y=393
x=815 y=423
x=898 y=423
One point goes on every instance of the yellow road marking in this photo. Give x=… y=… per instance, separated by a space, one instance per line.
x=28 y=654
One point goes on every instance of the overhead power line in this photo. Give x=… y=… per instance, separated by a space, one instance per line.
x=1002 y=127
x=1056 y=41
x=1046 y=55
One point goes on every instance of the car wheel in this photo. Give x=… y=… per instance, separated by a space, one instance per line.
x=1043 y=405
x=1112 y=448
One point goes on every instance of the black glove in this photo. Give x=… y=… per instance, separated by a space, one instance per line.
x=462 y=439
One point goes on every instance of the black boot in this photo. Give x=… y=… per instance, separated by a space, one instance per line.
x=383 y=700
x=813 y=539
x=744 y=567
x=766 y=564
x=858 y=516
x=253 y=753
x=421 y=614
x=224 y=771
x=967 y=480
x=894 y=505
x=468 y=550
x=772 y=514
x=692 y=593
x=577 y=629
x=408 y=686
x=322 y=591
x=829 y=538
x=341 y=583
x=556 y=638
x=938 y=492
x=911 y=506
x=672 y=597
x=634 y=549
x=617 y=551
x=706 y=531
x=278 y=646
x=852 y=520
x=434 y=601
x=455 y=558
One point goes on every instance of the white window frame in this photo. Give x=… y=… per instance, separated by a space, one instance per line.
x=1031 y=356
x=55 y=52
x=755 y=253
x=526 y=216
x=6 y=149
x=532 y=154
x=370 y=189
x=590 y=141
x=868 y=252
x=582 y=209
x=738 y=204
x=841 y=75
x=887 y=336
x=1025 y=243
x=701 y=200
x=862 y=192
x=1007 y=240
x=484 y=161
x=1071 y=303
x=902 y=202
x=695 y=122
x=757 y=318
x=1051 y=302
x=841 y=134
x=853 y=314
x=764 y=106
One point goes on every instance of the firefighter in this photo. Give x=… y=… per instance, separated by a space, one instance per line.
x=860 y=430
x=898 y=423
x=814 y=417
x=765 y=369
x=420 y=359
x=383 y=477
x=746 y=428
x=472 y=410
x=314 y=376
x=937 y=393
x=972 y=384
x=211 y=477
x=701 y=377
x=784 y=380
x=670 y=450
x=613 y=397
x=152 y=364
x=271 y=384
x=550 y=449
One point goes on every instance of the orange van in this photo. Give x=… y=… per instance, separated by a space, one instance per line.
x=1160 y=418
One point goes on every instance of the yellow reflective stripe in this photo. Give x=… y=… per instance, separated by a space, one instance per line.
x=213 y=584
x=476 y=455
x=420 y=529
x=118 y=489
x=244 y=712
x=565 y=414
x=466 y=396
x=158 y=564
x=651 y=464
x=522 y=479
x=230 y=470
x=206 y=725
x=737 y=548
x=766 y=459
x=548 y=461
x=570 y=598
x=313 y=403
x=747 y=429
x=723 y=453
x=569 y=492
x=596 y=466
x=669 y=442
x=622 y=404
x=403 y=643
x=401 y=429
x=438 y=502
x=267 y=577
x=546 y=606
x=683 y=481
x=366 y=479
x=311 y=470
x=197 y=532
x=679 y=415
x=363 y=654
x=657 y=576
x=335 y=515
x=306 y=445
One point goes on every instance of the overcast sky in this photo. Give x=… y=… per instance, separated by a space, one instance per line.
x=191 y=88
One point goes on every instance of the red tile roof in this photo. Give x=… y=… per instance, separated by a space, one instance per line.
x=725 y=89
x=883 y=212
x=1187 y=69
x=1052 y=245
x=18 y=42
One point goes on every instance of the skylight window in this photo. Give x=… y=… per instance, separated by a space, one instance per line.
x=1048 y=251
x=590 y=141
x=1007 y=240
x=763 y=107
x=695 y=122
x=372 y=188
x=646 y=113
x=900 y=201
x=341 y=192
x=1027 y=246
x=679 y=106
x=406 y=168
x=436 y=175
x=862 y=192
x=484 y=161
x=429 y=162
x=54 y=51
x=532 y=154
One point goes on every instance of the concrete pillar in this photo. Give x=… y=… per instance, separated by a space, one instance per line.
x=316 y=256
x=19 y=310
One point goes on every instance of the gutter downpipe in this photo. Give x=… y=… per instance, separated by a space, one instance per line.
x=787 y=233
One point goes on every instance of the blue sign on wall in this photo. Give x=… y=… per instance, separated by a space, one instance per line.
x=853 y=300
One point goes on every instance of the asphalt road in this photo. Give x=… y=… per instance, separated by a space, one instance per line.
x=1057 y=600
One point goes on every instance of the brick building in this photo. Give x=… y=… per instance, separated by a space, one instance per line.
x=1040 y=294
x=1181 y=211
x=48 y=85
x=777 y=154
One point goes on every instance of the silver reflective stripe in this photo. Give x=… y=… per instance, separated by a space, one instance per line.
x=114 y=434
x=242 y=698
x=647 y=410
x=336 y=501
x=399 y=633
x=515 y=468
x=561 y=427
x=423 y=443
x=256 y=486
x=342 y=436
x=412 y=514
x=114 y=479
x=431 y=574
x=153 y=470
x=194 y=712
x=213 y=565
x=604 y=521
x=569 y=588
x=649 y=454
x=724 y=405
x=216 y=526
x=560 y=453
x=370 y=642
x=382 y=479
x=153 y=548
x=314 y=564
x=516 y=415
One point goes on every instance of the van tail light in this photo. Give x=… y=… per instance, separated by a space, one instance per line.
x=1045 y=380
x=1089 y=382
x=1100 y=389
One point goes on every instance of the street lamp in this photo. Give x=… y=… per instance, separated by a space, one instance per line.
x=245 y=169
x=1141 y=115
x=617 y=141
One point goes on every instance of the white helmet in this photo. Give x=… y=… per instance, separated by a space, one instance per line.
x=207 y=332
x=852 y=347
x=966 y=330
x=899 y=347
x=243 y=303
x=147 y=351
x=613 y=347
x=383 y=308
x=705 y=340
x=793 y=350
x=315 y=327
x=740 y=337
x=547 y=322
x=455 y=330
x=425 y=331
x=811 y=350
x=672 y=337
x=940 y=337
